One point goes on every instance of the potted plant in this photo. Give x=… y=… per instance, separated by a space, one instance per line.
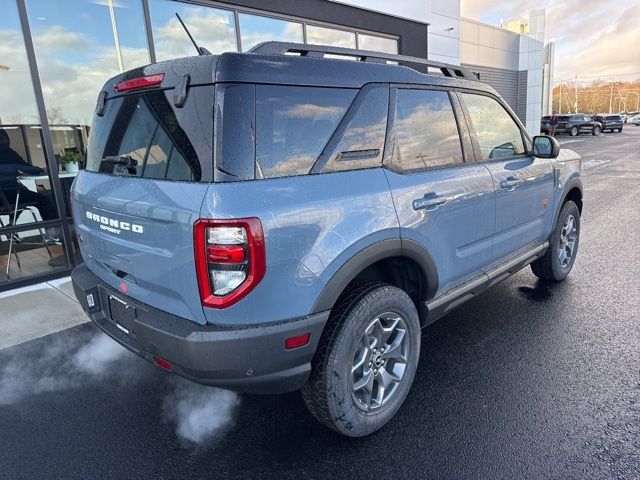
x=70 y=161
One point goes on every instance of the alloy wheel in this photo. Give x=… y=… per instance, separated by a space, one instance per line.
x=568 y=240
x=380 y=361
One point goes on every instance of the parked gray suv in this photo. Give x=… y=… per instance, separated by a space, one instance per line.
x=285 y=219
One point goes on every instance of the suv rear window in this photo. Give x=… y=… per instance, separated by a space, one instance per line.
x=143 y=127
x=293 y=124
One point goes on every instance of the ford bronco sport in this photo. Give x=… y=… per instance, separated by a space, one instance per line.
x=285 y=219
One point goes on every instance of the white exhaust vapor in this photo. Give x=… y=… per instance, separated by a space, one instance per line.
x=199 y=412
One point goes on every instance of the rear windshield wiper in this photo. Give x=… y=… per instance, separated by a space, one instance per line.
x=119 y=165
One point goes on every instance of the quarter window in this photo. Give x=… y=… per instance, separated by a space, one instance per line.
x=426 y=133
x=293 y=124
x=498 y=134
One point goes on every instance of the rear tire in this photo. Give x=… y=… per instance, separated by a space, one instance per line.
x=366 y=360
x=554 y=265
x=574 y=131
x=596 y=131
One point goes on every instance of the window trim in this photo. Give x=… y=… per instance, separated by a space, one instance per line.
x=527 y=142
x=390 y=139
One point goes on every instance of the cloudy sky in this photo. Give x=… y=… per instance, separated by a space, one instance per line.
x=594 y=38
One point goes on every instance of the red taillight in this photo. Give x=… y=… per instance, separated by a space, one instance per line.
x=162 y=363
x=140 y=82
x=225 y=253
x=296 y=342
x=230 y=259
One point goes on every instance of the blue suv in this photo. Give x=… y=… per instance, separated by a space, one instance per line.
x=290 y=219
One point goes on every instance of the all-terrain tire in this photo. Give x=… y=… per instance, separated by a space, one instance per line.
x=328 y=393
x=549 y=267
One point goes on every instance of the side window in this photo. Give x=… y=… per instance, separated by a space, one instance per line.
x=293 y=124
x=361 y=143
x=426 y=133
x=498 y=134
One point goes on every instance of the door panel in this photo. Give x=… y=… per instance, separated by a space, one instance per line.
x=524 y=194
x=443 y=203
x=457 y=232
x=523 y=183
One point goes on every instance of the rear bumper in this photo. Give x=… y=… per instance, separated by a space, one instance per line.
x=248 y=359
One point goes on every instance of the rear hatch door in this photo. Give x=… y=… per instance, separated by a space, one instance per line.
x=149 y=161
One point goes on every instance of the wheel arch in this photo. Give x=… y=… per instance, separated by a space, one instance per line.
x=400 y=262
x=573 y=191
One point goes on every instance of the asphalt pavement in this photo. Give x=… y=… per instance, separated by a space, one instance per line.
x=527 y=381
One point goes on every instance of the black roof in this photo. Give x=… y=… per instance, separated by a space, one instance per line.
x=330 y=72
x=292 y=70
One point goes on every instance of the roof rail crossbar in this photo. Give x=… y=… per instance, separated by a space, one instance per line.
x=319 y=51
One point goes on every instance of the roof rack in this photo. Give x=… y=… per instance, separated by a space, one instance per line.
x=319 y=51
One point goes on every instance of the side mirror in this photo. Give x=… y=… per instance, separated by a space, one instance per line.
x=545 y=146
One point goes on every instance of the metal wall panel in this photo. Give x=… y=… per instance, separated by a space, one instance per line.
x=510 y=84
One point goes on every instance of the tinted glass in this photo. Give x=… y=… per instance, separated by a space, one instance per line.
x=426 y=133
x=362 y=142
x=498 y=134
x=330 y=36
x=293 y=124
x=144 y=128
x=255 y=29
x=377 y=44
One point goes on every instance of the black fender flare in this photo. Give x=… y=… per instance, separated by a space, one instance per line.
x=575 y=182
x=393 y=247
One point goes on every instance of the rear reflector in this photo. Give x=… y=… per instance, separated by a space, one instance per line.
x=140 y=82
x=162 y=363
x=225 y=253
x=295 y=342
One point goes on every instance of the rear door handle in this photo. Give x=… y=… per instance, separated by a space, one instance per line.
x=510 y=183
x=429 y=202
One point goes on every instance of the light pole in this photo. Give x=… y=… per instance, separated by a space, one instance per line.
x=575 y=85
x=116 y=37
x=560 y=101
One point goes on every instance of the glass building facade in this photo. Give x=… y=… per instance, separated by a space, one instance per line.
x=54 y=59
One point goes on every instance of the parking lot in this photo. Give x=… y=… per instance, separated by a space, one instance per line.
x=528 y=380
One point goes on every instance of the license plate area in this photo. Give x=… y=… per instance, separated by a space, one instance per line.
x=122 y=313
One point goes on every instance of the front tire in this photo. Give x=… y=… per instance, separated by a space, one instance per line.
x=558 y=260
x=366 y=360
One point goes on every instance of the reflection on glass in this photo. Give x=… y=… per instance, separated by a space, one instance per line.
x=79 y=45
x=426 y=131
x=143 y=127
x=362 y=143
x=29 y=252
x=212 y=28
x=255 y=29
x=377 y=44
x=293 y=124
x=498 y=134
x=25 y=192
x=329 y=36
